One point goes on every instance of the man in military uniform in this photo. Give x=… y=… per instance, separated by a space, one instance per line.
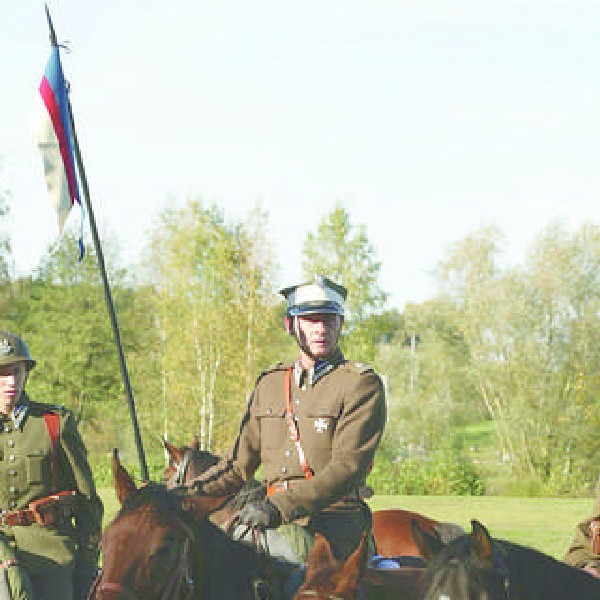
x=315 y=426
x=584 y=551
x=51 y=515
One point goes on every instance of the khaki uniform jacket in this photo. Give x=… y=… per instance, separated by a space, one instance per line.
x=340 y=414
x=26 y=475
x=580 y=552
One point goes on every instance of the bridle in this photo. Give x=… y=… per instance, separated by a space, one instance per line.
x=180 y=586
x=501 y=570
x=182 y=467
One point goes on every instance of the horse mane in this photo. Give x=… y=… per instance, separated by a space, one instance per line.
x=154 y=494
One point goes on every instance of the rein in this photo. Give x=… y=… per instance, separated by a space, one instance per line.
x=179 y=586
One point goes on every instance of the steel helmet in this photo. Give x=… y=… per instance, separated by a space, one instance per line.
x=14 y=350
x=318 y=296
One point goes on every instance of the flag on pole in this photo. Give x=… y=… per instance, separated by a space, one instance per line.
x=55 y=141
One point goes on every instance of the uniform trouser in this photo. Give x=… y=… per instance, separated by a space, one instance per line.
x=33 y=577
x=343 y=529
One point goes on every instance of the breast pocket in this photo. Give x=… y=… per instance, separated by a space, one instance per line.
x=36 y=468
x=273 y=427
x=317 y=428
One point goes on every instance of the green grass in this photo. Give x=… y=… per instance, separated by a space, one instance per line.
x=543 y=523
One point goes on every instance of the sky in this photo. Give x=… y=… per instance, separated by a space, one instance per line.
x=425 y=120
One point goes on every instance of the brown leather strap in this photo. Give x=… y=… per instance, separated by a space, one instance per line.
x=52 y=420
x=293 y=426
x=41 y=510
x=595 y=536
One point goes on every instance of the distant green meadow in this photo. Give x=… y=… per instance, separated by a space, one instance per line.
x=543 y=523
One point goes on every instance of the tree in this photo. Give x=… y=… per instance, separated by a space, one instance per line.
x=213 y=309
x=343 y=252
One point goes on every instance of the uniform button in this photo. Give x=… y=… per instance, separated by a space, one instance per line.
x=288 y=453
x=11 y=443
x=297 y=400
x=284 y=469
x=12 y=504
x=12 y=489
x=11 y=458
x=7 y=429
x=269 y=411
x=12 y=472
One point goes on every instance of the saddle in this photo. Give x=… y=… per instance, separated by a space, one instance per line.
x=595 y=535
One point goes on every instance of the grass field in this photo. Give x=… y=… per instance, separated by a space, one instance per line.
x=543 y=523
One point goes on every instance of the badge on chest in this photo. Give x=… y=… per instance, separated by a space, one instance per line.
x=321 y=425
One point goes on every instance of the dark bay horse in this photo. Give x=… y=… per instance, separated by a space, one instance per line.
x=391 y=528
x=160 y=546
x=476 y=567
x=329 y=579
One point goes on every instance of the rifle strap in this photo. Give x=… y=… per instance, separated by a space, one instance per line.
x=52 y=420
x=293 y=425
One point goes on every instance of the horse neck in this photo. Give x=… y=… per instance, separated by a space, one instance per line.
x=536 y=575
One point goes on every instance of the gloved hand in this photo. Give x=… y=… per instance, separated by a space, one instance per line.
x=260 y=513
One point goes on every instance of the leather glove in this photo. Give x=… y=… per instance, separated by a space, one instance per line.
x=261 y=513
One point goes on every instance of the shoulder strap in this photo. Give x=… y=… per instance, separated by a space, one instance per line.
x=52 y=420
x=293 y=426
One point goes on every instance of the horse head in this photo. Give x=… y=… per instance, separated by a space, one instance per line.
x=330 y=579
x=468 y=567
x=148 y=549
x=186 y=463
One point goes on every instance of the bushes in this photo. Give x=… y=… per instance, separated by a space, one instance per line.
x=438 y=474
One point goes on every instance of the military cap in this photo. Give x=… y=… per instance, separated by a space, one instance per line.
x=14 y=350
x=318 y=296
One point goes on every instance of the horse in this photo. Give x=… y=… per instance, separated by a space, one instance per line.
x=475 y=566
x=160 y=546
x=329 y=579
x=391 y=527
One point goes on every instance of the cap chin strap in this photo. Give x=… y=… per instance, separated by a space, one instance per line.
x=303 y=346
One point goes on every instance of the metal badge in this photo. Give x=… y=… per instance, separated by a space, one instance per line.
x=321 y=425
x=6 y=347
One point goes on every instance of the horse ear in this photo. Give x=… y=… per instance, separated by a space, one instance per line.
x=124 y=484
x=175 y=454
x=481 y=541
x=429 y=544
x=320 y=556
x=353 y=568
x=195 y=445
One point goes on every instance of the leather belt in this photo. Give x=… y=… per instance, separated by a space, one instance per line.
x=17 y=517
x=279 y=486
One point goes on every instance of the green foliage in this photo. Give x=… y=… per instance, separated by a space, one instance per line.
x=343 y=252
x=438 y=474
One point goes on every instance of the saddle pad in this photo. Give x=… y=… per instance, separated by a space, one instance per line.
x=396 y=562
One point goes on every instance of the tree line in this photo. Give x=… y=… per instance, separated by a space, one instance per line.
x=493 y=384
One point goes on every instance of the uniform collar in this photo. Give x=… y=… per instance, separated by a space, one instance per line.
x=19 y=412
x=319 y=370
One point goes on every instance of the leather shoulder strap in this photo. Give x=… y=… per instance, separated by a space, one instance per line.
x=52 y=420
x=293 y=426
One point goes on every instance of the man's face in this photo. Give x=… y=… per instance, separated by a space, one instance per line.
x=12 y=382
x=319 y=333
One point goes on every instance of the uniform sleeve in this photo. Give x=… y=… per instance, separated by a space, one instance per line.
x=580 y=552
x=356 y=438
x=90 y=509
x=237 y=468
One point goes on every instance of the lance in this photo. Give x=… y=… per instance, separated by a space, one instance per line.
x=105 y=282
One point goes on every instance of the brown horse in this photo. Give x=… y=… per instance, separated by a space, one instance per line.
x=329 y=579
x=160 y=546
x=476 y=567
x=391 y=528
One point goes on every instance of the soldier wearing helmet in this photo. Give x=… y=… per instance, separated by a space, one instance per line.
x=584 y=551
x=314 y=425
x=51 y=515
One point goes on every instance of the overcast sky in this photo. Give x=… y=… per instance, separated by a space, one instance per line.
x=424 y=119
